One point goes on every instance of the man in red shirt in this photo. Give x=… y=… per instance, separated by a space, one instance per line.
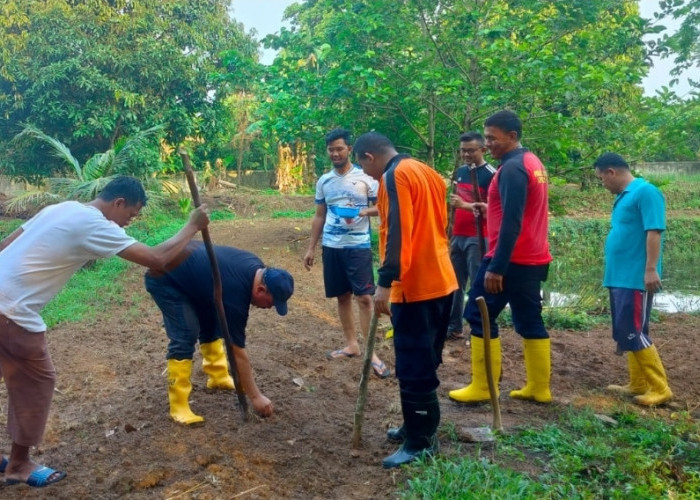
x=465 y=248
x=515 y=265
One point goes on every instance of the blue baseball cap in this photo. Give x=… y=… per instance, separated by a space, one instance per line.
x=280 y=284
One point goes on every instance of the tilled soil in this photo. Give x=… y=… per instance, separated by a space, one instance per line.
x=109 y=426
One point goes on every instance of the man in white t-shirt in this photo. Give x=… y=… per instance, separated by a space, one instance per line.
x=36 y=261
x=347 y=252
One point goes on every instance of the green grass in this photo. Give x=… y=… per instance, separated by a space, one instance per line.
x=217 y=215
x=88 y=293
x=8 y=226
x=577 y=457
x=91 y=290
x=293 y=214
x=467 y=478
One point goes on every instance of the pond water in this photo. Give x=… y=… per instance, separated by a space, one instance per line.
x=667 y=302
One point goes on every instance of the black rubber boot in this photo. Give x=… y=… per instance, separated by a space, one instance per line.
x=396 y=434
x=421 y=416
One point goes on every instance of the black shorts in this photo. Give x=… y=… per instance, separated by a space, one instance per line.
x=347 y=270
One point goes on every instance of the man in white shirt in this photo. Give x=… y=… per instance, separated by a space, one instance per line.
x=345 y=241
x=36 y=261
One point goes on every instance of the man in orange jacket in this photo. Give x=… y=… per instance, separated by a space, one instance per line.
x=417 y=278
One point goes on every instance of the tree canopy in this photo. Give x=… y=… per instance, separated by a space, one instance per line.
x=89 y=73
x=424 y=71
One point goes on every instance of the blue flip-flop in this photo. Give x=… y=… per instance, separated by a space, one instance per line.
x=380 y=370
x=340 y=353
x=39 y=477
x=3 y=464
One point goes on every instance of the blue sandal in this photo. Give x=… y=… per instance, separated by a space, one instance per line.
x=380 y=370
x=40 y=477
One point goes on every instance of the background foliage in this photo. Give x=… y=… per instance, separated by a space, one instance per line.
x=91 y=72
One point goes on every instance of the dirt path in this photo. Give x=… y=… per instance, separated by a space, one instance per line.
x=109 y=425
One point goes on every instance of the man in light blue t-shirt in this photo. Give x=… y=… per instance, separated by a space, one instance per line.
x=633 y=274
x=345 y=242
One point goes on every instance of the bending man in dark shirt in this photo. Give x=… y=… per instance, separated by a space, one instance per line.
x=184 y=294
x=514 y=266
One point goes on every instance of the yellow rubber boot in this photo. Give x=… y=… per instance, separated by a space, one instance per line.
x=215 y=365
x=478 y=390
x=637 y=384
x=659 y=391
x=179 y=388
x=538 y=367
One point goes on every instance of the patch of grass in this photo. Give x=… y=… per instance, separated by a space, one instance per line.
x=293 y=214
x=90 y=290
x=87 y=293
x=467 y=478
x=563 y=318
x=579 y=456
x=270 y=192
x=216 y=215
x=8 y=226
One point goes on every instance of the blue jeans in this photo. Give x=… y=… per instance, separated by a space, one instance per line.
x=184 y=324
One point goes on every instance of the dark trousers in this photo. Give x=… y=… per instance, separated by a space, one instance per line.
x=420 y=329
x=465 y=255
x=521 y=290
x=184 y=325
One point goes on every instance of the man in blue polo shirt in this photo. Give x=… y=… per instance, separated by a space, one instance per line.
x=184 y=292
x=633 y=274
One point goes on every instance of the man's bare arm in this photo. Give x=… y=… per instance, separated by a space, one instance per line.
x=10 y=238
x=652 y=280
x=159 y=256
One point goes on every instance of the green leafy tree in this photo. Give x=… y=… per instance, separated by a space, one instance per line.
x=88 y=72
x=426 y=70
x=684 y=44
x=671 y=128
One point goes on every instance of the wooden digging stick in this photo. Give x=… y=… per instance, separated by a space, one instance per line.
x=218 y=293
x=364 y=379
x=497 y=426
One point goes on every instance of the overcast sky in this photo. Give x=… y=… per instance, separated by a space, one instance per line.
x=265 y=16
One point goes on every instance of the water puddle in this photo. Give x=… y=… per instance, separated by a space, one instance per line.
x=676 y=302
x=664 y=302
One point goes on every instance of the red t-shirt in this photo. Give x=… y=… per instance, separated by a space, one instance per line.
x=465 y=222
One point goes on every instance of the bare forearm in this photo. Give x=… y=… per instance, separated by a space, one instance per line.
x=159 y=256
x=372 y=211
x=653 y=250
x=316 y=231
x=245 y=373
x=172 y=247
x=10 y=238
